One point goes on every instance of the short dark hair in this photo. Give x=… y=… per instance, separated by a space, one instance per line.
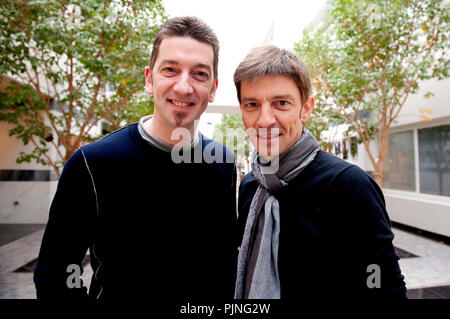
x=186 y=27
x=271 y=60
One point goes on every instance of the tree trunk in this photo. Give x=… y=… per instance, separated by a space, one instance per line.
x=383 y=148
x=378 y=175
x=377 y=162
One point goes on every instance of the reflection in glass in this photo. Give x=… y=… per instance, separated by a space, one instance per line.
x=434 y=160
x=398 y=166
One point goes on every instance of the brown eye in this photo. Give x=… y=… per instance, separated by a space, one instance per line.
x=168 y=71
x=202 y=76
x=250 y=105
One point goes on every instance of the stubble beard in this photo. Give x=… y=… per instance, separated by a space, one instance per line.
x=179 y=117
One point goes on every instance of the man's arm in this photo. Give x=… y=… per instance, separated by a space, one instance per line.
x=375 y=271
x=68 y=234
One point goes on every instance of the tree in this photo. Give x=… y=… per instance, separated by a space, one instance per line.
x=68 y=65
x=321 y=121
x=369 y=56
x=231 y=132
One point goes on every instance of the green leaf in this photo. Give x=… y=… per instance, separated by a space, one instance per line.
x=66 y=53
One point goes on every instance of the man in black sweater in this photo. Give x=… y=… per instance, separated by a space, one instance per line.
x=154 y=202
x=312 y=225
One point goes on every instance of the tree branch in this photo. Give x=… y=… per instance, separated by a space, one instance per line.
x=49 y=160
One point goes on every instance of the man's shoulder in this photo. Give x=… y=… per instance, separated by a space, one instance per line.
x=324 y=159
x=328 y=173
x=339 y=174
x=332 y=167
x=112 y=144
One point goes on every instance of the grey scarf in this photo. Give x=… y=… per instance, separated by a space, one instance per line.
x=257 y=273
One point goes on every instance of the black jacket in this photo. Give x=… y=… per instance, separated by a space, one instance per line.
x=334 y=226
x=154 y=228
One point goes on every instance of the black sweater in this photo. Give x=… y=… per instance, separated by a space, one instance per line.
x=154 y=228
x=334 y=225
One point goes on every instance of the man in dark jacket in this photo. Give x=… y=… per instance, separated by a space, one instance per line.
x=154 y=202
x=312 y=225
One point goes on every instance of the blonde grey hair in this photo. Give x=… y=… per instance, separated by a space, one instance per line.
x=271 y=60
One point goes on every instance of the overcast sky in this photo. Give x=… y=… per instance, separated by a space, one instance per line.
x=241 y=25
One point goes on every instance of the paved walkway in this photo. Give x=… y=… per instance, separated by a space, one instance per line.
x=425 y=263
x=17 y=262
x=431 y=267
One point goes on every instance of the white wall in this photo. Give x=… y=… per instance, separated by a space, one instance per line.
x=25 y=202
x=439 y=103
x=423 y=211
x=10 y=148
x=22 y=201
x=427 y=212
x=362 y=159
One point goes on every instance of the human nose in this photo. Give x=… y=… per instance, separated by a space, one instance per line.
x=183 y=85
x=266 y=117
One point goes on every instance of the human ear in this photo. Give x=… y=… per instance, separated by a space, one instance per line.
x=213 y=91
x=307 y=109
x=148 y=81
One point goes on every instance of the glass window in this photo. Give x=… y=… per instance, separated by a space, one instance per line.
x=434 y=160
x=398 y=166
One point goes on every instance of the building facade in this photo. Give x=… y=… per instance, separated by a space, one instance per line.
x=416 y=170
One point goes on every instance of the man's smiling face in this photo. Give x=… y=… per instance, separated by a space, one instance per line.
x=273 y=113
x=181 y=81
